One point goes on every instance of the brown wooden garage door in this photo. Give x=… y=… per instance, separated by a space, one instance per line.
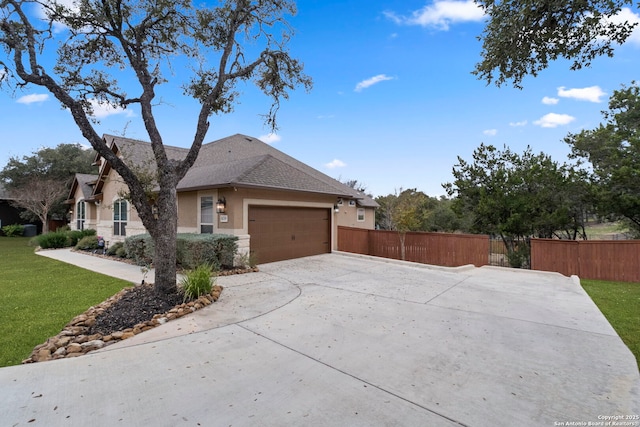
x=279 y=233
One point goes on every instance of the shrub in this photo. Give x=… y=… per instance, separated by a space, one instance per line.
x=55 y=239
x=76 y=235
x=197 y=282
x=217 y=250
x=246 y=260
x=113 y=249
x=192 y=250
x=519 y=257
x=13 y=230
x=121 y=252
x=140 y=248
x=87 y=243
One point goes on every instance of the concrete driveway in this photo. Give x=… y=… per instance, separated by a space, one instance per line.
x=340 y=340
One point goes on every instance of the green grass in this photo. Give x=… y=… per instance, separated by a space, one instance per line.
x=599 y=231
x=38 y=296
x=620 y=303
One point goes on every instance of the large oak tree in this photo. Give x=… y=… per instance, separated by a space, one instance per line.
x=104 y=46
x=613 y=150
x=523 y=36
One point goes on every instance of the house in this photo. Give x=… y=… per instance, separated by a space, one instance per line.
x=9 y=214
x=279 y=207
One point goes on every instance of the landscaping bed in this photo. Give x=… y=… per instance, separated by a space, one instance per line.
x=131 y=311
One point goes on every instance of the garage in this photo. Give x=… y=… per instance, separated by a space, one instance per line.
x=283 y=232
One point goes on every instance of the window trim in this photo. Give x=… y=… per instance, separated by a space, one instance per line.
x=201 y=223
x=361 y=218
x=81 y=214
x=121 y=224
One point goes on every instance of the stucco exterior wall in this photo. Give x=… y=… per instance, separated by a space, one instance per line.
x=348 y=216
x=113 y=187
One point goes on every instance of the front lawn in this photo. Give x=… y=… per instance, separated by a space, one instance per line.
x=38 y=296
x=620 y=303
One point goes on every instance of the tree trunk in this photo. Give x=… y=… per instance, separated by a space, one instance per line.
x=164 y=235
x=45 y=224
x=402 y=247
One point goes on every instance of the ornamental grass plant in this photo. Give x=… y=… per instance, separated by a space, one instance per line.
x=197 y=282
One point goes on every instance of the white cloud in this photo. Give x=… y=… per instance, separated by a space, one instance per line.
x=32 y=99
x=632 y=18
x=441 y=14
x=490 y=132
x=372 y=81
x=550 y=101
x=335 y=163
x=518 y=124
x=103 y=109
x=591 y=93
x=270 y=138
x=553 y=120
x=41 y=12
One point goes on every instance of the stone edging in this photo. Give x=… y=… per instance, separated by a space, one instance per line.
x=72 y=341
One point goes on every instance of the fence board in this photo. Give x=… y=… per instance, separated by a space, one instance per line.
x=617 y=260
x=449 y=250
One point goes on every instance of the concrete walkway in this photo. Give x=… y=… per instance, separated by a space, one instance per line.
x=339 y=340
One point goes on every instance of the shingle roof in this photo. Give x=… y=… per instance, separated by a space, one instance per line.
x=243 y=161
x=85 y=182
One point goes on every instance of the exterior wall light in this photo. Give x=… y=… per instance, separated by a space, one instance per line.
x=221 y=205
x=336 y=209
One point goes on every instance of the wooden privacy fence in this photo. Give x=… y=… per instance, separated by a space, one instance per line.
x=617 y=260
x=448 y=250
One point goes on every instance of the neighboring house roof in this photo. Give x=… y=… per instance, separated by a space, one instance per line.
x=239 y=161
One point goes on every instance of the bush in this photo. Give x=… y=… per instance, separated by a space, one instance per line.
x=519 y=257
x=53 y=240
x=197 y=282
x=217 y=250
x=140 y=248
x=88 y=243
x=192 y=250
x=113 y=249
x=121 y=252
x=13 y=230
x=246 y=260
x=76 y=235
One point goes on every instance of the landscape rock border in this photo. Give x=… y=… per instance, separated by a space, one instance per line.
x=73 y=340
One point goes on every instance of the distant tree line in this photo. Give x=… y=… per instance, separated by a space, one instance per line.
x=40 y=183
x=518 y=196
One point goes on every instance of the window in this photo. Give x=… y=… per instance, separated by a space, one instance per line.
x=352 y=202
x=206 y=215
x=80 y=215
x=360 y=214
x=120 y=218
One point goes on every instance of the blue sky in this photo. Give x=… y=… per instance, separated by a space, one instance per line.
x=393 y=105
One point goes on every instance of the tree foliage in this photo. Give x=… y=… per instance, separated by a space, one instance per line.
x=39 y=196
x=520 y=196
x=523 y=36
x=413 y=210
x=119 y=53
x=613 y=150
x=59 y=163
x=51 y=167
